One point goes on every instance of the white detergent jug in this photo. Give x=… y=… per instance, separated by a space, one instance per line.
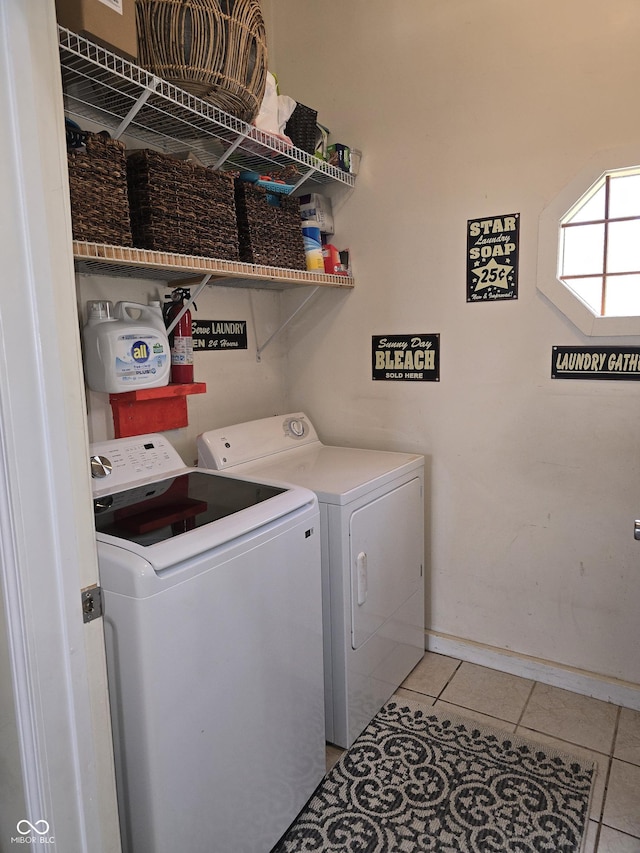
x=123 y=353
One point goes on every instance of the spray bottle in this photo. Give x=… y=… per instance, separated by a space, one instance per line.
x=180 y=338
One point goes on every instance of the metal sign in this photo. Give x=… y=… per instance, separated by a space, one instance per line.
x=493 y=246
x=414 y=358
x=217 y=335
x=595 y=363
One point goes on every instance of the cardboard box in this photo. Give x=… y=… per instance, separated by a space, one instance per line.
x=111 y=23
x=317 y=207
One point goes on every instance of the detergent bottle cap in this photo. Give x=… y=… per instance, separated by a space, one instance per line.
x=99 y=310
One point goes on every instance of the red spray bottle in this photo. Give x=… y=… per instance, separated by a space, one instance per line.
x=180 y=339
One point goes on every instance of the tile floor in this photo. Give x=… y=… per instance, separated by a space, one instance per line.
x=601 y=732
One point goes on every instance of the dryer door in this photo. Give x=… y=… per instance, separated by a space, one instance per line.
x=386 y=550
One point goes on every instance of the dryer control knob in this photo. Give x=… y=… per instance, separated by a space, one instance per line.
x=100 y=467
x=296 y=428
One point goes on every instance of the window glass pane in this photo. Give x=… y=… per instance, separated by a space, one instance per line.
x=623 y=296
x=592 y=209
x=623 y=247
x=624 y=196
x=589 y=290
x=582 y=249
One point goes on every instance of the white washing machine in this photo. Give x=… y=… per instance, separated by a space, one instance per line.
x=372 y=531
x=213 y=626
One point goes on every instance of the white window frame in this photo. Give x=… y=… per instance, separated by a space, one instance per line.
x=549 y=247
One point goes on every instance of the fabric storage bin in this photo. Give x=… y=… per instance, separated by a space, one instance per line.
x=269 y=235
x=98 y=191
x=177 y=206
x=301 y=128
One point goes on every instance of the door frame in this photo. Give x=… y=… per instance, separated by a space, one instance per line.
x=56 y=739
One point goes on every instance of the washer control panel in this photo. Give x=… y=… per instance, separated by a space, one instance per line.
x=122 y=462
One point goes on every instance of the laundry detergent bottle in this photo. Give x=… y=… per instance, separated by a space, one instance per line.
x=125 y=348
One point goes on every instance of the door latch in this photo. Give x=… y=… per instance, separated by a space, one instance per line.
x=636 y=529
x=91 y=598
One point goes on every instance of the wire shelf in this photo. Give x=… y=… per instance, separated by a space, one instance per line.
x=123 y=98
x=126 y=262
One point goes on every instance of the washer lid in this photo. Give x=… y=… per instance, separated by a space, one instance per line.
x=337 y=475
x=172 y=519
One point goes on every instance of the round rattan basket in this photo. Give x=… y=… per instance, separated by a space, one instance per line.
x=215 y=49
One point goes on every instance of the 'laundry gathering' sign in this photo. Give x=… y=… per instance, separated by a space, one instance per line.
x=595 y=363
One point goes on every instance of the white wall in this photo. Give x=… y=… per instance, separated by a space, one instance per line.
x=465 y=109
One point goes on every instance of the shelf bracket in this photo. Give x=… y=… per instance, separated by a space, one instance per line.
x=304 y=178
x=135 y=109
x=241 y=138
x=188 y=304
x=262 y=348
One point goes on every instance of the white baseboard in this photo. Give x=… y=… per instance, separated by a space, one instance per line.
x=622 y=693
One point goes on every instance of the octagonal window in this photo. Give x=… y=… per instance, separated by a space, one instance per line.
x=600 y=245
x=589 y=246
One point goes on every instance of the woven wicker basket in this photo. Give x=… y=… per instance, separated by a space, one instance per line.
x=98 y=190
x=215 y=49
x=268 y=235
x=301 y=128
x=178 y=206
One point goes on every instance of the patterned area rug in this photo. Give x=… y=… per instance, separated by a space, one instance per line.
x=418 y=781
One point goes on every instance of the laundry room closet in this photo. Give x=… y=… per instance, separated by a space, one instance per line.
x=239 y=380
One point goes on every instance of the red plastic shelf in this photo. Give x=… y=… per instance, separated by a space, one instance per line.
x=152 y=409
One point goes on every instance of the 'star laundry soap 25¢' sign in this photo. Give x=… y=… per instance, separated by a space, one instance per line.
x=493 y=245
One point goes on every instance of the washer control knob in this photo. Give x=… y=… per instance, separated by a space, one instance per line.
x=100 y=467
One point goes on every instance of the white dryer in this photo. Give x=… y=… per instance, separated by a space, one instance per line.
x=372 y=538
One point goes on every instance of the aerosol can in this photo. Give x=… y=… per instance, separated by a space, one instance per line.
x=123 y=352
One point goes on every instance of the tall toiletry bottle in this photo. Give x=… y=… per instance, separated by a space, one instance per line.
x=312 y=246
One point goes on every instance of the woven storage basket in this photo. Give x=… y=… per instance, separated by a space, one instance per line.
x=98 y=190
x=269 y=235
x=178 y=206
x=215 y=49
x=301 y=128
